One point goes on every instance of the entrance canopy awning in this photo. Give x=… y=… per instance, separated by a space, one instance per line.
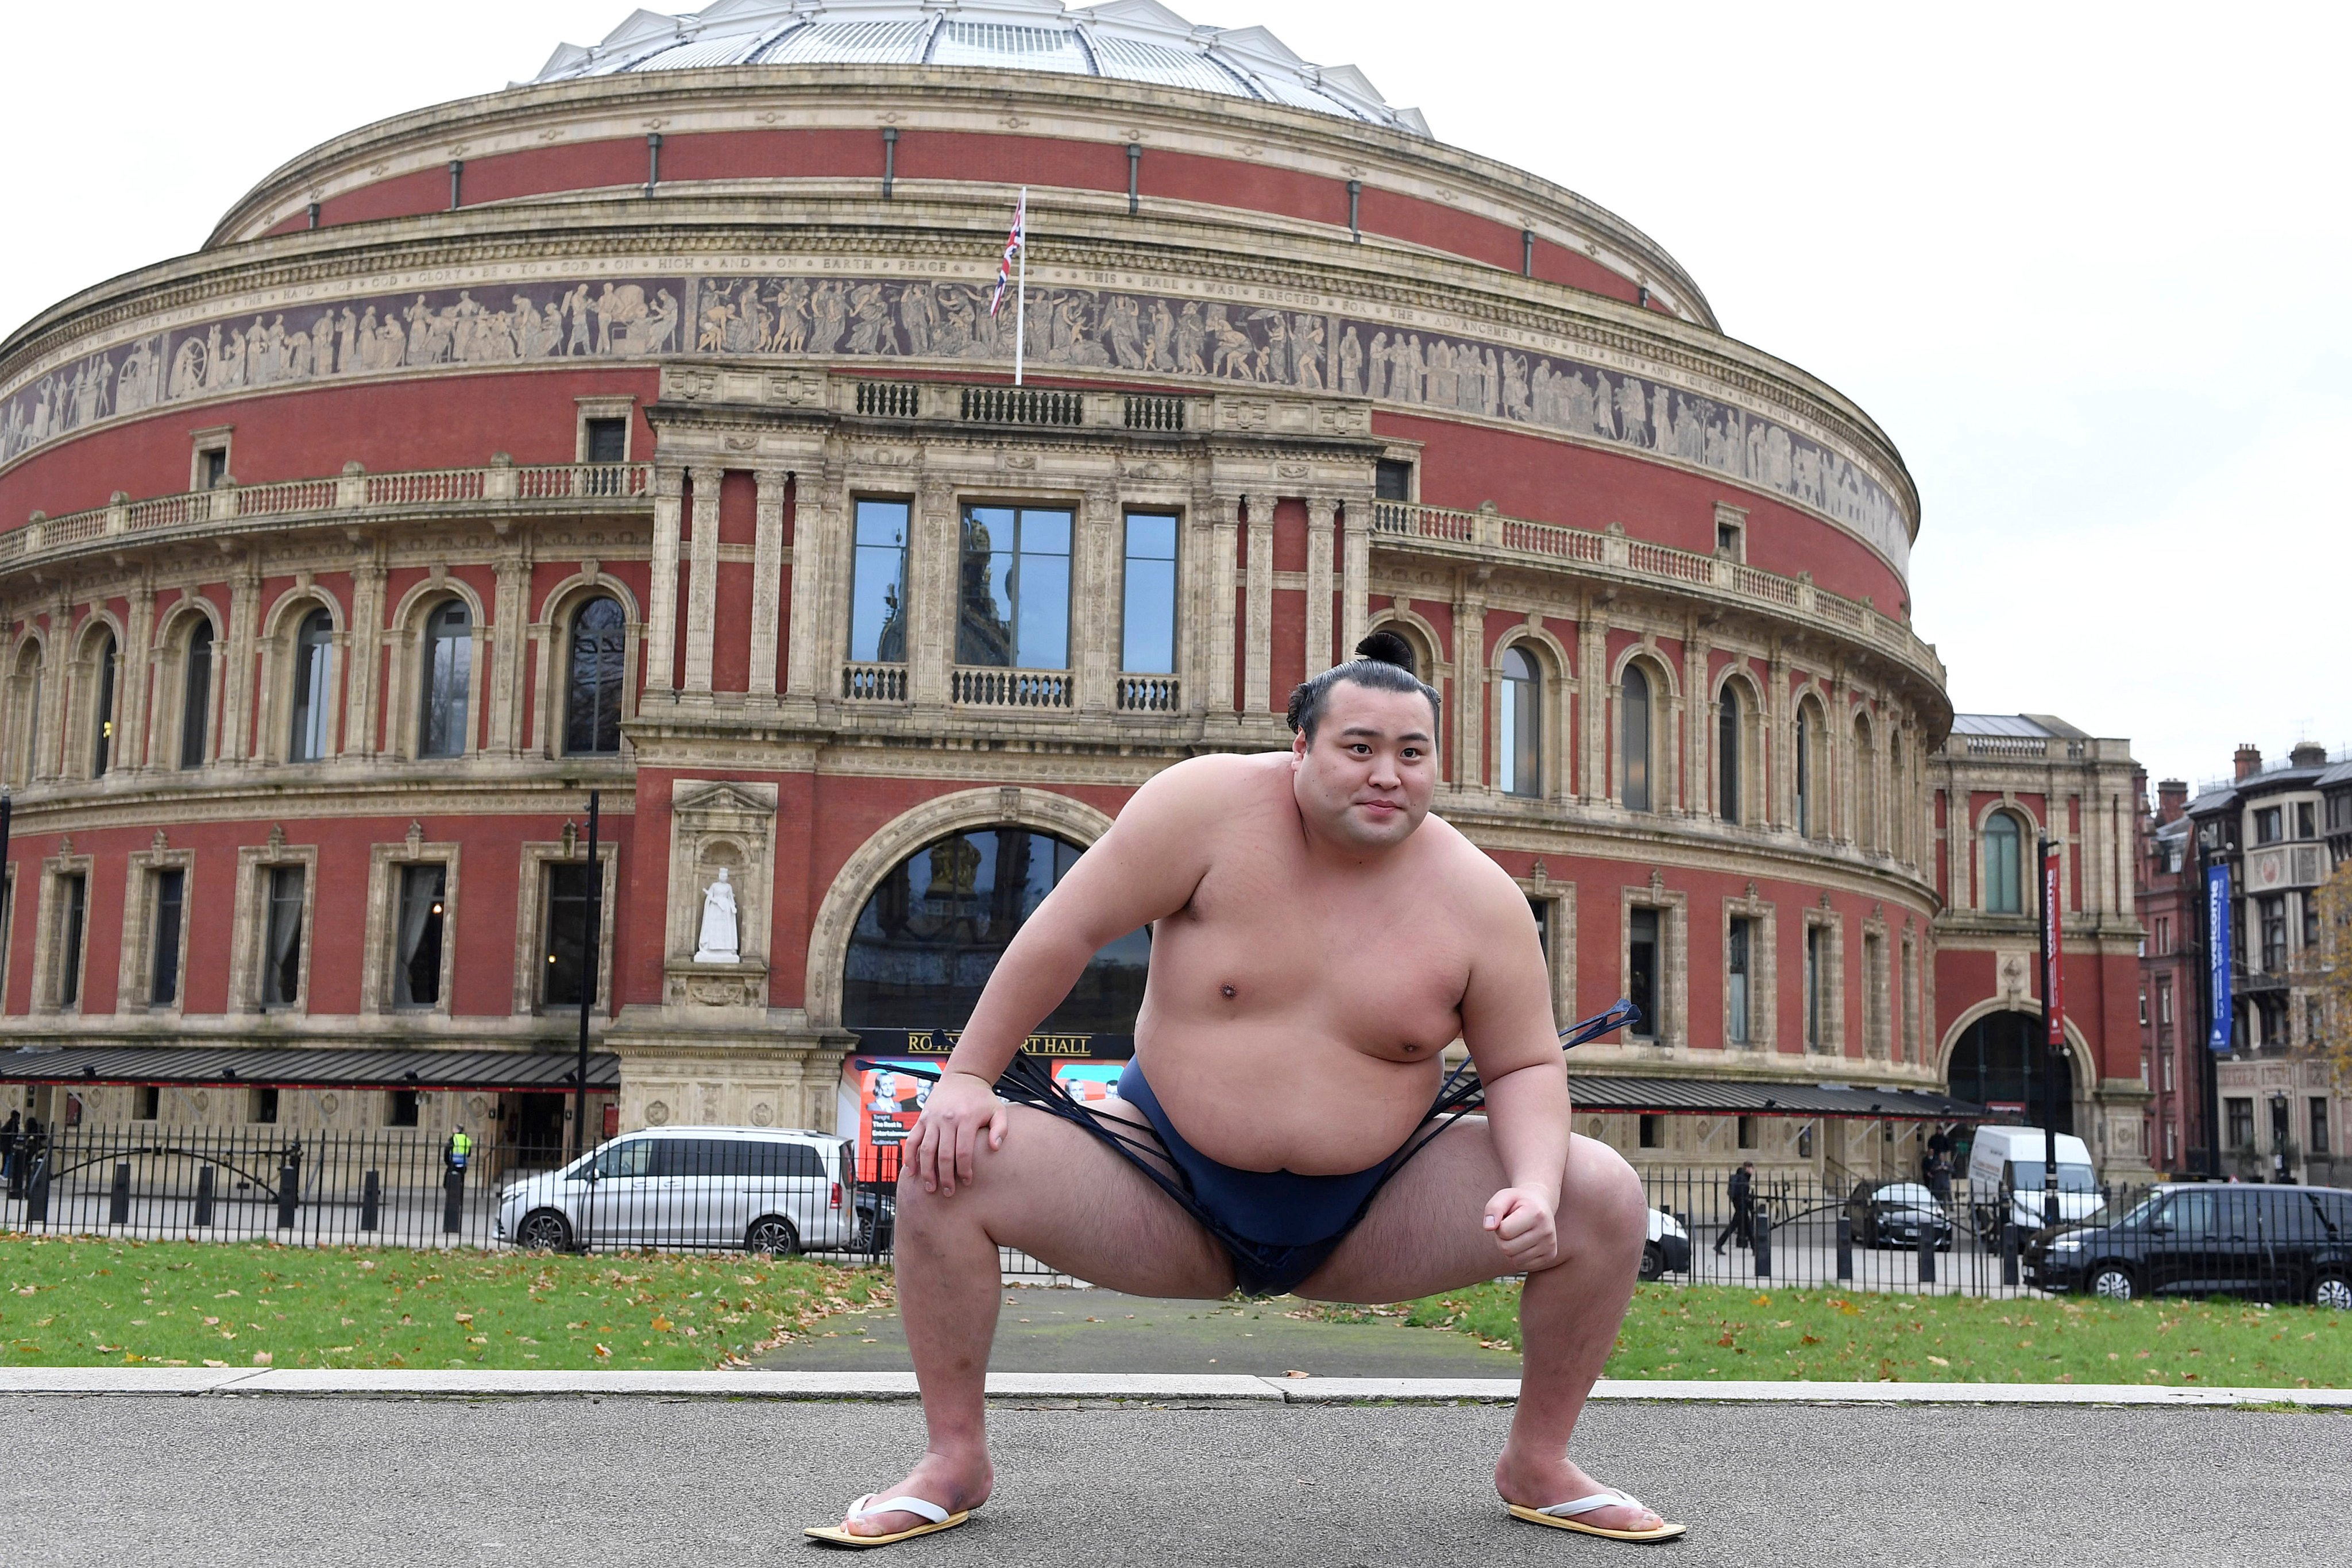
x=1720 y=1097
x=278 y=1067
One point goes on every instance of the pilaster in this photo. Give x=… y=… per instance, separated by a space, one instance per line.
x=237 y=667
x=812 y=654
x=1592 y=682
x=1258 y=670
x=1355 y=574
x=368 y=578
x=138 y=674
x=1470 y=679
x=1224 y=530
x=661 y=595
x=934 y=571
x=1095 y=613
x=1699 y=720
x=1322 y=512
x=767 y=578
x=509 y=636
x=702 y=580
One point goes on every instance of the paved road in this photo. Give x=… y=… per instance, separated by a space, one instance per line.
x=1042 y=1329
x=625 y=1481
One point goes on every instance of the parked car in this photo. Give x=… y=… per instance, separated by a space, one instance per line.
x=1894 y=1213
x=2010 y=1159
x=2209 y=1239
x=1667 y=1250
x=755 y=1188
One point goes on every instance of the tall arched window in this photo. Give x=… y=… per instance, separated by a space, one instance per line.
x=1518 y=736
x=102 y=709
x=313 y=704
x=1727 y=755
x=1633 y=737
x=592 y=692
x=1866 y=786
x=25 y=759
x=1897 y=797
x=1805 y=760
x=2004 y=880
x=196 y=696
x=448 y=680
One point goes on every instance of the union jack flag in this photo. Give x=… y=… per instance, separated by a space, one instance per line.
x=1013 y=244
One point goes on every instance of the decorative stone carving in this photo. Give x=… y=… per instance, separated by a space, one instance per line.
x=718 y=941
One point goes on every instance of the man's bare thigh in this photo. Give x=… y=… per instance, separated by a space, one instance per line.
x=1059 y=1193
x=1426 y=1230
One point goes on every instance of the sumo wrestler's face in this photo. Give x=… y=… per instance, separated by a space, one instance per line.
x=1367 y=777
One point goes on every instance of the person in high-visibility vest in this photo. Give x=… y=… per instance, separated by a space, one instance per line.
x=458 y=1151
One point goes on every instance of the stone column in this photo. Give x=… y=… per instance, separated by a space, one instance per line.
x=767 y=579
x=1779 y=759
x=1224 y=535
x=1322 y=512
x=1355 y=574
x=1095 y=619
x=702 y=581
x=509 y=636
x=1258 y=669
x=237 y=663
x=934 y=572
x=813 y=654
x=1592 y=687
x=1470 y=679
x=1698 y=722
x=661 y=592
x=368 y=577
x=138 y=673
x=1846 y=783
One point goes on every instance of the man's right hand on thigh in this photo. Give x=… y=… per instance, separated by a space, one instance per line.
x=959 y=1111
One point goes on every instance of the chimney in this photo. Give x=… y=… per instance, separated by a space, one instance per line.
x=2308 y=754
x=2250 y=760
x=2171 y=796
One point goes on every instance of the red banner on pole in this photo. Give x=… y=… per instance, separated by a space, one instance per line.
x=2054 y=988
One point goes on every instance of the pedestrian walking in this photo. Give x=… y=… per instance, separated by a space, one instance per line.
x=1741 y=1225
x=12 y=1134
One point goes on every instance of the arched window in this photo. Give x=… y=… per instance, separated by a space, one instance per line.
x=101 y=711
x=313 y=704
x=592 y=692
x=196 y=696
x=927 y=940
x=1727 y=755
x=1634 y=731
x=447 y=679
x=1805 y=762
x=1897 y=797
x=1866 y=786
x=2004 y=881
x=25 y=762
x=1518 y=737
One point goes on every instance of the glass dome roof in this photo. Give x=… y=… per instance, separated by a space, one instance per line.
x=1124 y=40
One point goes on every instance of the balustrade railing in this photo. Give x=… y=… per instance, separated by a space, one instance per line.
x=889 y=399
x=1149 y=694
x=1022 y=405
x=1155 y=413
x=974 y=686
x=874 y=682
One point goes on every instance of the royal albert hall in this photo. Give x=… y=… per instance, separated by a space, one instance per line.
x=645 y=429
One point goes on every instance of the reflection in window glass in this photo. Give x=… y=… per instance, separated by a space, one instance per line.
x=102 y=710
x=1642 y=974
x=1012 y=602
x=1519 y=745
x=416 y=963
x=281 y=959
x=591 y=697
x=877 y=592
x=1726 y=756
x=1634 y=736
x=930 y=937
x=163 y=953
x=313 y=657
x=2004 y=892
x=564 y=966
x=196 y=696
x=1736 y=969
x=1151 y=620
x=448 y=678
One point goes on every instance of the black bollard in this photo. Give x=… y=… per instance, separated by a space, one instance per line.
x=453 y=1203
x=37 y=1192
x=371 y=1199
x=289 y=1188
x=18 y=1158
x=2009 y=1253
x=1763 y=1226
x=1926 y=1255
x=118 y=1202
x=1846 y=1246
x=203 y=1215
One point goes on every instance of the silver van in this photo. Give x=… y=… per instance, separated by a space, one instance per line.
x=752 y=1189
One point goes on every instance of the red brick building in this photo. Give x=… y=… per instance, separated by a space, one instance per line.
x=2171 y=1033
x=644 y=428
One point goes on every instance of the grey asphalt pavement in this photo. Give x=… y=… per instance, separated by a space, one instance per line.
x=317 y=1482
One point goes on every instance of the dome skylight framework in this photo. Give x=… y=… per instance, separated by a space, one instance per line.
x=1122 y=41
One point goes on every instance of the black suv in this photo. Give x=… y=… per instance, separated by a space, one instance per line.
x=2291 y=1244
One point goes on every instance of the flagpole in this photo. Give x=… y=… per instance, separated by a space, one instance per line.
x=1021 y=290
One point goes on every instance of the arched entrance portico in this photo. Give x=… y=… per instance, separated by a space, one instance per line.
x=1999 y=1061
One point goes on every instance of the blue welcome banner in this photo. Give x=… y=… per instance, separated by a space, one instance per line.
x=2217 y=949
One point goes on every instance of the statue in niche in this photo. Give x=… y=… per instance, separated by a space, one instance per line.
x=719 y=943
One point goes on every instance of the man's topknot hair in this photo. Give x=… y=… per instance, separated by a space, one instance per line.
x=1383 y=661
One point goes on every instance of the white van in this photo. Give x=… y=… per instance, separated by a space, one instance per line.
x=752 y=1189
x=2010 y=1158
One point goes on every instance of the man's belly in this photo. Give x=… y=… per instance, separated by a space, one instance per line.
x=1269 y=1096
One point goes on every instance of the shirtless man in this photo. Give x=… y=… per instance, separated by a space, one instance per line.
x=1307 y=911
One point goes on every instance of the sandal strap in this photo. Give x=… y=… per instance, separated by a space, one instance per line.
x=1588 y=1504
x=866 y=1506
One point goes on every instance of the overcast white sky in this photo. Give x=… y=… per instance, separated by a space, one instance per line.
x=2085 y=264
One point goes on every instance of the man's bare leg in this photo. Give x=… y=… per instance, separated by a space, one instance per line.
x=1425 y=1234
x=1055 y=1192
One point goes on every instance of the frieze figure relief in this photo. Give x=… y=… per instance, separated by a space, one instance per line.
x=932 y=318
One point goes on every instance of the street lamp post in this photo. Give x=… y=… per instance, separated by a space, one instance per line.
x=592 y=966
x=2045 y=869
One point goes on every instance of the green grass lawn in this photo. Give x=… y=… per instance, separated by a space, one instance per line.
x=1703 y=1331
x=176 y=1303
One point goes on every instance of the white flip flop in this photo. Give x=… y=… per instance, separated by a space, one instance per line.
x=1563 y=1516
x=937 y=1519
